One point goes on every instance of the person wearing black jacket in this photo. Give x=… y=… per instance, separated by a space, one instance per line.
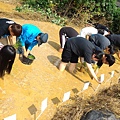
x=115 y=42
x=100 y=26
x=9 y=28
x=64 y=34
x=77 y=47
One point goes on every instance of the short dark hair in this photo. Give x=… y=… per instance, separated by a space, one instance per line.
x=39 y=34
x=99 y=54
x=101 y=31
x=110 y=59
x=110 y=31
x=16 y=29
x=111 y=49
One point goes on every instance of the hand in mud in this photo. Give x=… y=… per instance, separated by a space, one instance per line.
x=99 y=81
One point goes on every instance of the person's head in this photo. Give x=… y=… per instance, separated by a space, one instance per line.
x=108 y=59
x=101 y=31
x=42 y=38
x=7 y=57
x=95 y=24
x=110 y=32
x=88 y=23
x=110 y=49
x=97 y=55
x=15 y=29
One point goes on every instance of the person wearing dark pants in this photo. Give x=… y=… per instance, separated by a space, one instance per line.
x=64 y=34
x=77 y=47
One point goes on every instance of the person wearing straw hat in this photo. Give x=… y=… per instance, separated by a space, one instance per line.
x=31 y=36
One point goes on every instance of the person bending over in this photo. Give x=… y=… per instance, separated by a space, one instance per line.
x=101 y=43
x=9 y=28
x=102 y=27
x=31 y=36
x=107 y=59
x=64 y=34
x=89 y=29
x=115 y=43
x=77 y=47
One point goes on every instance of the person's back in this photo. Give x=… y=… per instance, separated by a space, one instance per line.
x=100 y=26
x=115 y=43
x=82 y=47
x=64 y=34
x=69 y=31
x=100 y=41
x=5 y=20
x=88 y=31
x=114 y=39
x=8 y=29
x=29 y=32
x=4 y=25
x=29 y=29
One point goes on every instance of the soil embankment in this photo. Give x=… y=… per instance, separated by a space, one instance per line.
x=30 y=85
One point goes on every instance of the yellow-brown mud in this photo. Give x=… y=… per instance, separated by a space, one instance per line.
x=31 y=84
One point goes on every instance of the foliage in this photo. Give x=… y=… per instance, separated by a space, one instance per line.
x=43 y=8
x=75 y=10
x=116 y=20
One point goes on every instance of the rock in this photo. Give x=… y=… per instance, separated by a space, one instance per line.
x=98 y=115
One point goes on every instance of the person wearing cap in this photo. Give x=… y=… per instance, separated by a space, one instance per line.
x=31 y=36
x=8 y=29
x=77 y=47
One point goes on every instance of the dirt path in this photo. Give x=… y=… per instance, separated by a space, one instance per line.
x=30 y=85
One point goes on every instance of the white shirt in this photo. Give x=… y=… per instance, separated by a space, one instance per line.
x=1 y=45
x=88 y=31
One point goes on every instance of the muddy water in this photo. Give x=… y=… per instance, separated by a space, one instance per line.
x=30 y=85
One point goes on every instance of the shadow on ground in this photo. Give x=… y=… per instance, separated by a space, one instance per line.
x=54 y=45
x=53 y=59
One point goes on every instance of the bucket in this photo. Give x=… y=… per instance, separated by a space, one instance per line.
x=28 y=60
